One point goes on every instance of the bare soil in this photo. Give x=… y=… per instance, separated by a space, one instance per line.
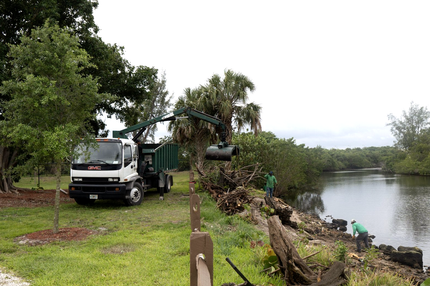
x=31 y=198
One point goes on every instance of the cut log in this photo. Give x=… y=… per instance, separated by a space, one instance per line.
x=335 y=275
x=294 y=268
x=282 y=210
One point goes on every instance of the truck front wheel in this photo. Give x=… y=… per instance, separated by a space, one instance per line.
x=135 y=195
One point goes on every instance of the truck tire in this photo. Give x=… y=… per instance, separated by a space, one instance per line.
x=84 y=202
x=167 y=185
x=135 y=195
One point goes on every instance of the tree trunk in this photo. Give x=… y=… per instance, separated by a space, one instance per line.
x=57 y=197
x=7 y=160
x=295 y=270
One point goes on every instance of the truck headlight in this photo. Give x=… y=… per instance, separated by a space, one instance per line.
x=113 y=179
x=77 y=179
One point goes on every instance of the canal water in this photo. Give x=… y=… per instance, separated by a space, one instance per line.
x=394 y=208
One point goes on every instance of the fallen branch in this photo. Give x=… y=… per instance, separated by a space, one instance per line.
x=310 y=255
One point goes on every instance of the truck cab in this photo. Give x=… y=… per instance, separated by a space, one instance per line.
x=106 y=171
x=121 y=169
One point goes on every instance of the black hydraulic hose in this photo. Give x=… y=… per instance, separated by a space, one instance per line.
x=238 y=272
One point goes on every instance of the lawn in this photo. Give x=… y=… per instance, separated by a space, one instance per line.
x=143 y=245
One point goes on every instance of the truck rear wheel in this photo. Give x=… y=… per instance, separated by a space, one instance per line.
x=167 y=185
x=135 y=195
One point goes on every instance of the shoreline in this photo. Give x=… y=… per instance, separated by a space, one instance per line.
x=316 y=232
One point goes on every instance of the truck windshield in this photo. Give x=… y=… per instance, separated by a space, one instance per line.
x=107 y=153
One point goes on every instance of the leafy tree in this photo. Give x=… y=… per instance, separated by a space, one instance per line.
x=295 y=166
x=51 y=100
x=130 y=85
x=407 y=128
x=253 y=149
x=227 y=97
x=154 y=106
x=133 y=87
x=18 y=17
x=417 y=160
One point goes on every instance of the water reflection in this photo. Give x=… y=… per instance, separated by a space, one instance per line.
x=412 y=209
x=311 y=203
x=392 y=207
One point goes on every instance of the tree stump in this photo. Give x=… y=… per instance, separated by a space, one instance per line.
x=334 y=276
x=282 y=210
x=294 y=268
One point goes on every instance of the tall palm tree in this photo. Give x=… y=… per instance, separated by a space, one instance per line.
x=194 y=134
x=227 y=99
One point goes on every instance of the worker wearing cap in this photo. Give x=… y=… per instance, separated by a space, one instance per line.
x=362 y=234
x=270 y=184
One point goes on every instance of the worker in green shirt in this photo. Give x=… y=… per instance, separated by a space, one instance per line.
x=362 y=234
x=270 y=184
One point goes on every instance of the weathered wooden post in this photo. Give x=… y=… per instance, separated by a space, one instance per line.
x=201 y=259
x=201 y=245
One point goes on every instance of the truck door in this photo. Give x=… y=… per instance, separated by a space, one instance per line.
x=130 y=162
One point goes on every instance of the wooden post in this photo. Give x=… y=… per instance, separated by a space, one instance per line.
x=195 y=212
x=192 y=183
x=201 y=245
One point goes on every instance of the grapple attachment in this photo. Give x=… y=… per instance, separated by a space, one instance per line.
x=221 y=153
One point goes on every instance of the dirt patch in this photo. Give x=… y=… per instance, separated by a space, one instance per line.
x=32 y=198
x=47 y=236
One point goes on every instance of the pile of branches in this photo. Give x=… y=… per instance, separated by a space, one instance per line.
x=230 y=187
x=233 y=202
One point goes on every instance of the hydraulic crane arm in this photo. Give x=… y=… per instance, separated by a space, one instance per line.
x=222 y=151
x=170 y=117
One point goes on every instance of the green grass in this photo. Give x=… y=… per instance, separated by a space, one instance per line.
x=46 y=182
x=143 y=245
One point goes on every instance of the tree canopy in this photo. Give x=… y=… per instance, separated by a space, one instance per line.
x=51 y=100
x=227 y=99
x=409 y=126
x=128 y=85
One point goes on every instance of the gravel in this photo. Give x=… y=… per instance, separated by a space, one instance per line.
x=10 y=280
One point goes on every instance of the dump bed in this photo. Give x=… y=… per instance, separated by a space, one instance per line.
x=161 y=156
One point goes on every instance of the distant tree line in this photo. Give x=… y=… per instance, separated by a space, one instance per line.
x=299 y=167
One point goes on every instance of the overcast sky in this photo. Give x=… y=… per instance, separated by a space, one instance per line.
x=326 y=73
